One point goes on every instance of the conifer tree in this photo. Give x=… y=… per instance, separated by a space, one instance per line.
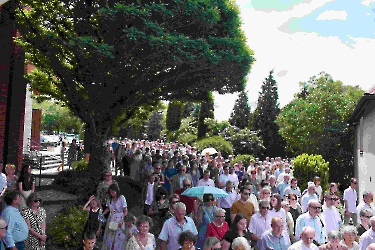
x=206 y=111
x=240 y=115
x=265 y=117
x=174 y=115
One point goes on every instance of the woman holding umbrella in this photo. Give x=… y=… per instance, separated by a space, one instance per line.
x=205 y=217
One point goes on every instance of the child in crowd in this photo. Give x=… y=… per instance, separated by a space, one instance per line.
x=93 y=223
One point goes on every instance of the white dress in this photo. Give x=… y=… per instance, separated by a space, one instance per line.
x=133 y=244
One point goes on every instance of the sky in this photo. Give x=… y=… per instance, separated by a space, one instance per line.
x=301 y=38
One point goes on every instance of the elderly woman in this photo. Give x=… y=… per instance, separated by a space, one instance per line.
x=205 y=217
x=143 y=240
x=240 y=243
x=114 y=237
x=187 y=240
x=35 y=218
x=349 y=234
x=212 y=243
x=334 y=239
x=364 y=217
x=219 y=226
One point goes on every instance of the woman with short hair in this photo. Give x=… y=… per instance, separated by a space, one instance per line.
x=219 y=226
x=212 y=243
x=240 y=243
x=334 y=242
x=349 y=234
x=143 y=240
x=187 y=240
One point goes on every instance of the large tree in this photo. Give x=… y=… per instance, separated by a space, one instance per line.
x=174 y=115
x=206 y=111
x=264 y=119
x=240 y=115
x=106 y=58
x=316 y=122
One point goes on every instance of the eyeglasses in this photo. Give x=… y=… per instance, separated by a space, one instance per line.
x=174 y=202
x=334 y=199
x=220 y=216
x=246 y=193
x=354 y=182
x=367 y=216
x=108 y=175
x=316 y=208
x=293 y=199
x=158 y=168
x=38 y=200
x=6 y=227
x=208 y=200
x=265 y=207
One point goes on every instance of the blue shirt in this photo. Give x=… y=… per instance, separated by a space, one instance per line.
x=172 y=229
x=282 y=186
x=17 y=227
x=270 y=241
x=306 y=220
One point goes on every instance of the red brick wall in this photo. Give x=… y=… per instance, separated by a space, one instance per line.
x=35 y=129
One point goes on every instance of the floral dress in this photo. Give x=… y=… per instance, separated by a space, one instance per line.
x=159 y=218
x=133 y=244
x=207 y=218
x=115 y=238
x=36 y=221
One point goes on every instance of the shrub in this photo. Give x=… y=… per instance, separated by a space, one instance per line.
x=66 y=228
x=80 y=165
x=307 y=166
x=244 y=158
x=187 y=138
x=217 y=142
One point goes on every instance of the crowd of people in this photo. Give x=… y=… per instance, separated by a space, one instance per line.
x=264 y=207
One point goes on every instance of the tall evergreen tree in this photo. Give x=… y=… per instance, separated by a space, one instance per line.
x=206 y=111
x=240 y=115
x=155 y=126
x=265 y=116
x=188 y=109
x=174 y=115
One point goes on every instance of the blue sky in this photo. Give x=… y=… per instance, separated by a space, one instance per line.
x=301 y=38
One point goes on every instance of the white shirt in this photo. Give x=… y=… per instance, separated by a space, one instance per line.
x=203 y=182
x=234 y=178
x=361 y=206
x=3 y=182
x=258 y=225
x=350 y=195
x=253 y=199
x=366 y=239
x=332 y=218
x=299 y=245
x=150 y=193
x=227 y=202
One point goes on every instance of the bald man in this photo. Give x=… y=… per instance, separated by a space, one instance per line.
x=371 y=246
x=307 y=237
x=276 y=238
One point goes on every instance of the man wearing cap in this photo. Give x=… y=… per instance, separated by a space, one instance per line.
x=310 y=195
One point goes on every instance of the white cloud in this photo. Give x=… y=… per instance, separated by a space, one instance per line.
x=333 y=15
x=367 y=2
x=301 y=54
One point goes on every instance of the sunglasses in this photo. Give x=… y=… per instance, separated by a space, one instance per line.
x=316 y=208
x=158 y=168
x=208 y=200
x=220 y=216
x=38 y=200
x=6 y=227
x=334 y=199
x=174 y=202
x=367 y=216
x=265 y=207
x=246 y=193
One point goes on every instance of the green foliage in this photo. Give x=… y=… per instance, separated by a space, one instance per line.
x=58 y=118
x=240 y=115
x=264 y=118
x=80 y=165
x=188 y=109
x=217 y=142
x=244 y=158
x=306 y=167
x=316 y=123
x=155 y=126
x=174 y=115
x=244 y=141
x=206 y=111
x=66 y=229
x=106 y=59
x=187 y=133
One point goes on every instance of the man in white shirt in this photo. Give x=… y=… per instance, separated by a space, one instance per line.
x=224 y=177
x=261 y=221
x=311 y=218
x=293 y=188
x=368 y=237
x=206 y=181
x=310 y=195
x=227 y=202
x=306 y=243
x=350 y=202
x=233 y=177
x=368 y=198
x=330 y=213
x=275 y=238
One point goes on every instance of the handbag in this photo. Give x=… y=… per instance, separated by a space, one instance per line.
x=113 y=226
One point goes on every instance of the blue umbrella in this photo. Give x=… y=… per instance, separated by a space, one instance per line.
x=200 y=191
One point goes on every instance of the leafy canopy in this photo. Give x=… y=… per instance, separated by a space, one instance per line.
x=105 y=58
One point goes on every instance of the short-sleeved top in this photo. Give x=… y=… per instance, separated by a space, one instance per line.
x=27 y=181
x=187 y=200
x=172 y=229
x=247 y=209
x=230 y=235
x=350 y=195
